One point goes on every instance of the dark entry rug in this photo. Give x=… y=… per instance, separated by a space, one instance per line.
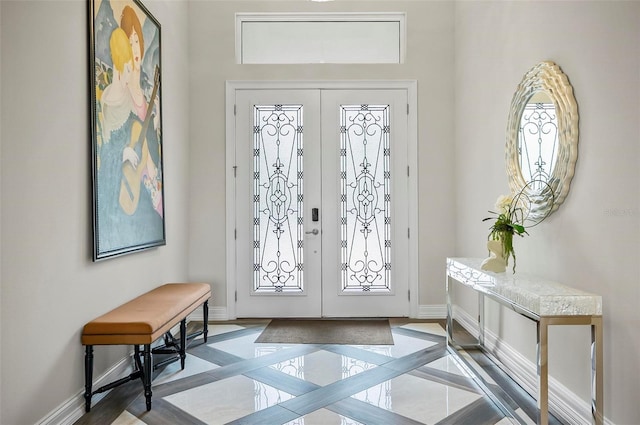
x=328 y=331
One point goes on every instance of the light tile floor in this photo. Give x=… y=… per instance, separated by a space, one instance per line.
x=230 y=379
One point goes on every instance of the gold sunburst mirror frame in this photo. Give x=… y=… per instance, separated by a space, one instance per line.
x=544 y=84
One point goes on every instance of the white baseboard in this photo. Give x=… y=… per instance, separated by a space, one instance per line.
x=73 y=409
x=563 y=403
x=216 y=314
x=436 y=311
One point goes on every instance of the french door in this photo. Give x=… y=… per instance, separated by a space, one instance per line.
x=321 y=204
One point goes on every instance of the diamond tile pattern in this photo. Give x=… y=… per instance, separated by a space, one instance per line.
x=233 y=380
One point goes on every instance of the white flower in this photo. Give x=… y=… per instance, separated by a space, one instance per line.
x=503 y=203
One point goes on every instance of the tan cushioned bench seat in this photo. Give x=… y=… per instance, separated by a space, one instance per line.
x=147 y=317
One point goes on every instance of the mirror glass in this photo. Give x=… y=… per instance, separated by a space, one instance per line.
x=538 y=138
x=542 y=140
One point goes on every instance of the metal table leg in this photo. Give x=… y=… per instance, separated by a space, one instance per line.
x=481 y=320
x=543 y=371
x=597 y=392
x=450 y=340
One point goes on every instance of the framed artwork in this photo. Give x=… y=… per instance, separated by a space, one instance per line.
x=126 y=123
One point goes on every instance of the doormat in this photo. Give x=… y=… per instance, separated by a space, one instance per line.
x=328 y=331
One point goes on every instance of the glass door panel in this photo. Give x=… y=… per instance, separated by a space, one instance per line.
x=278 y=198
x=365 y=198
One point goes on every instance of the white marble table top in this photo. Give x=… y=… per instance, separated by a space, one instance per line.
x=537 y=295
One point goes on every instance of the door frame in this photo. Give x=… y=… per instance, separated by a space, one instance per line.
x=411 y=86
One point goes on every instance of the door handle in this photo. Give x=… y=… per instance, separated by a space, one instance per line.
x=313 y=232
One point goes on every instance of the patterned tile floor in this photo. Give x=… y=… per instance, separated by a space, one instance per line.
x=233 y=380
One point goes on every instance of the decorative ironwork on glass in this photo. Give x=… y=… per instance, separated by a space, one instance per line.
x=365 y=201
x=538 y=142
x=278 y=198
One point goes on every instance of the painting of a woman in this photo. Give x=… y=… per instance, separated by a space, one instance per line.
x=127 y=163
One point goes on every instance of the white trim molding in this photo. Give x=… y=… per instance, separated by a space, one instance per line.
x=73 y=408
x=435 y=311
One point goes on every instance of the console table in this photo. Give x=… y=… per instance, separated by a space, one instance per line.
x=543 y=301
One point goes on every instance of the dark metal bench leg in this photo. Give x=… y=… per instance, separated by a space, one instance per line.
x=138 y=363
x=205 y=314
x=88 y=376
x=183 y=342
x=148 y=370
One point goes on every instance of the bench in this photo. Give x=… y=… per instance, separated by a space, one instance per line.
x=141 y=322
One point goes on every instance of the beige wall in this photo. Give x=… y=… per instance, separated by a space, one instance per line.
x=50 y=287
x=593 y=241
x=429 y=60
x=468 y=58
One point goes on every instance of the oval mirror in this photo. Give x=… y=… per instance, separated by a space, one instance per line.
x=542 y=139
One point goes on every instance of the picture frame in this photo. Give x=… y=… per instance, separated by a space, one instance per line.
x=126 y=128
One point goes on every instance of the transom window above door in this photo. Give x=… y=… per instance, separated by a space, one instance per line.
x=308 y=38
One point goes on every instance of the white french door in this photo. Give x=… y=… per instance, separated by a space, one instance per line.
x=321 y=203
